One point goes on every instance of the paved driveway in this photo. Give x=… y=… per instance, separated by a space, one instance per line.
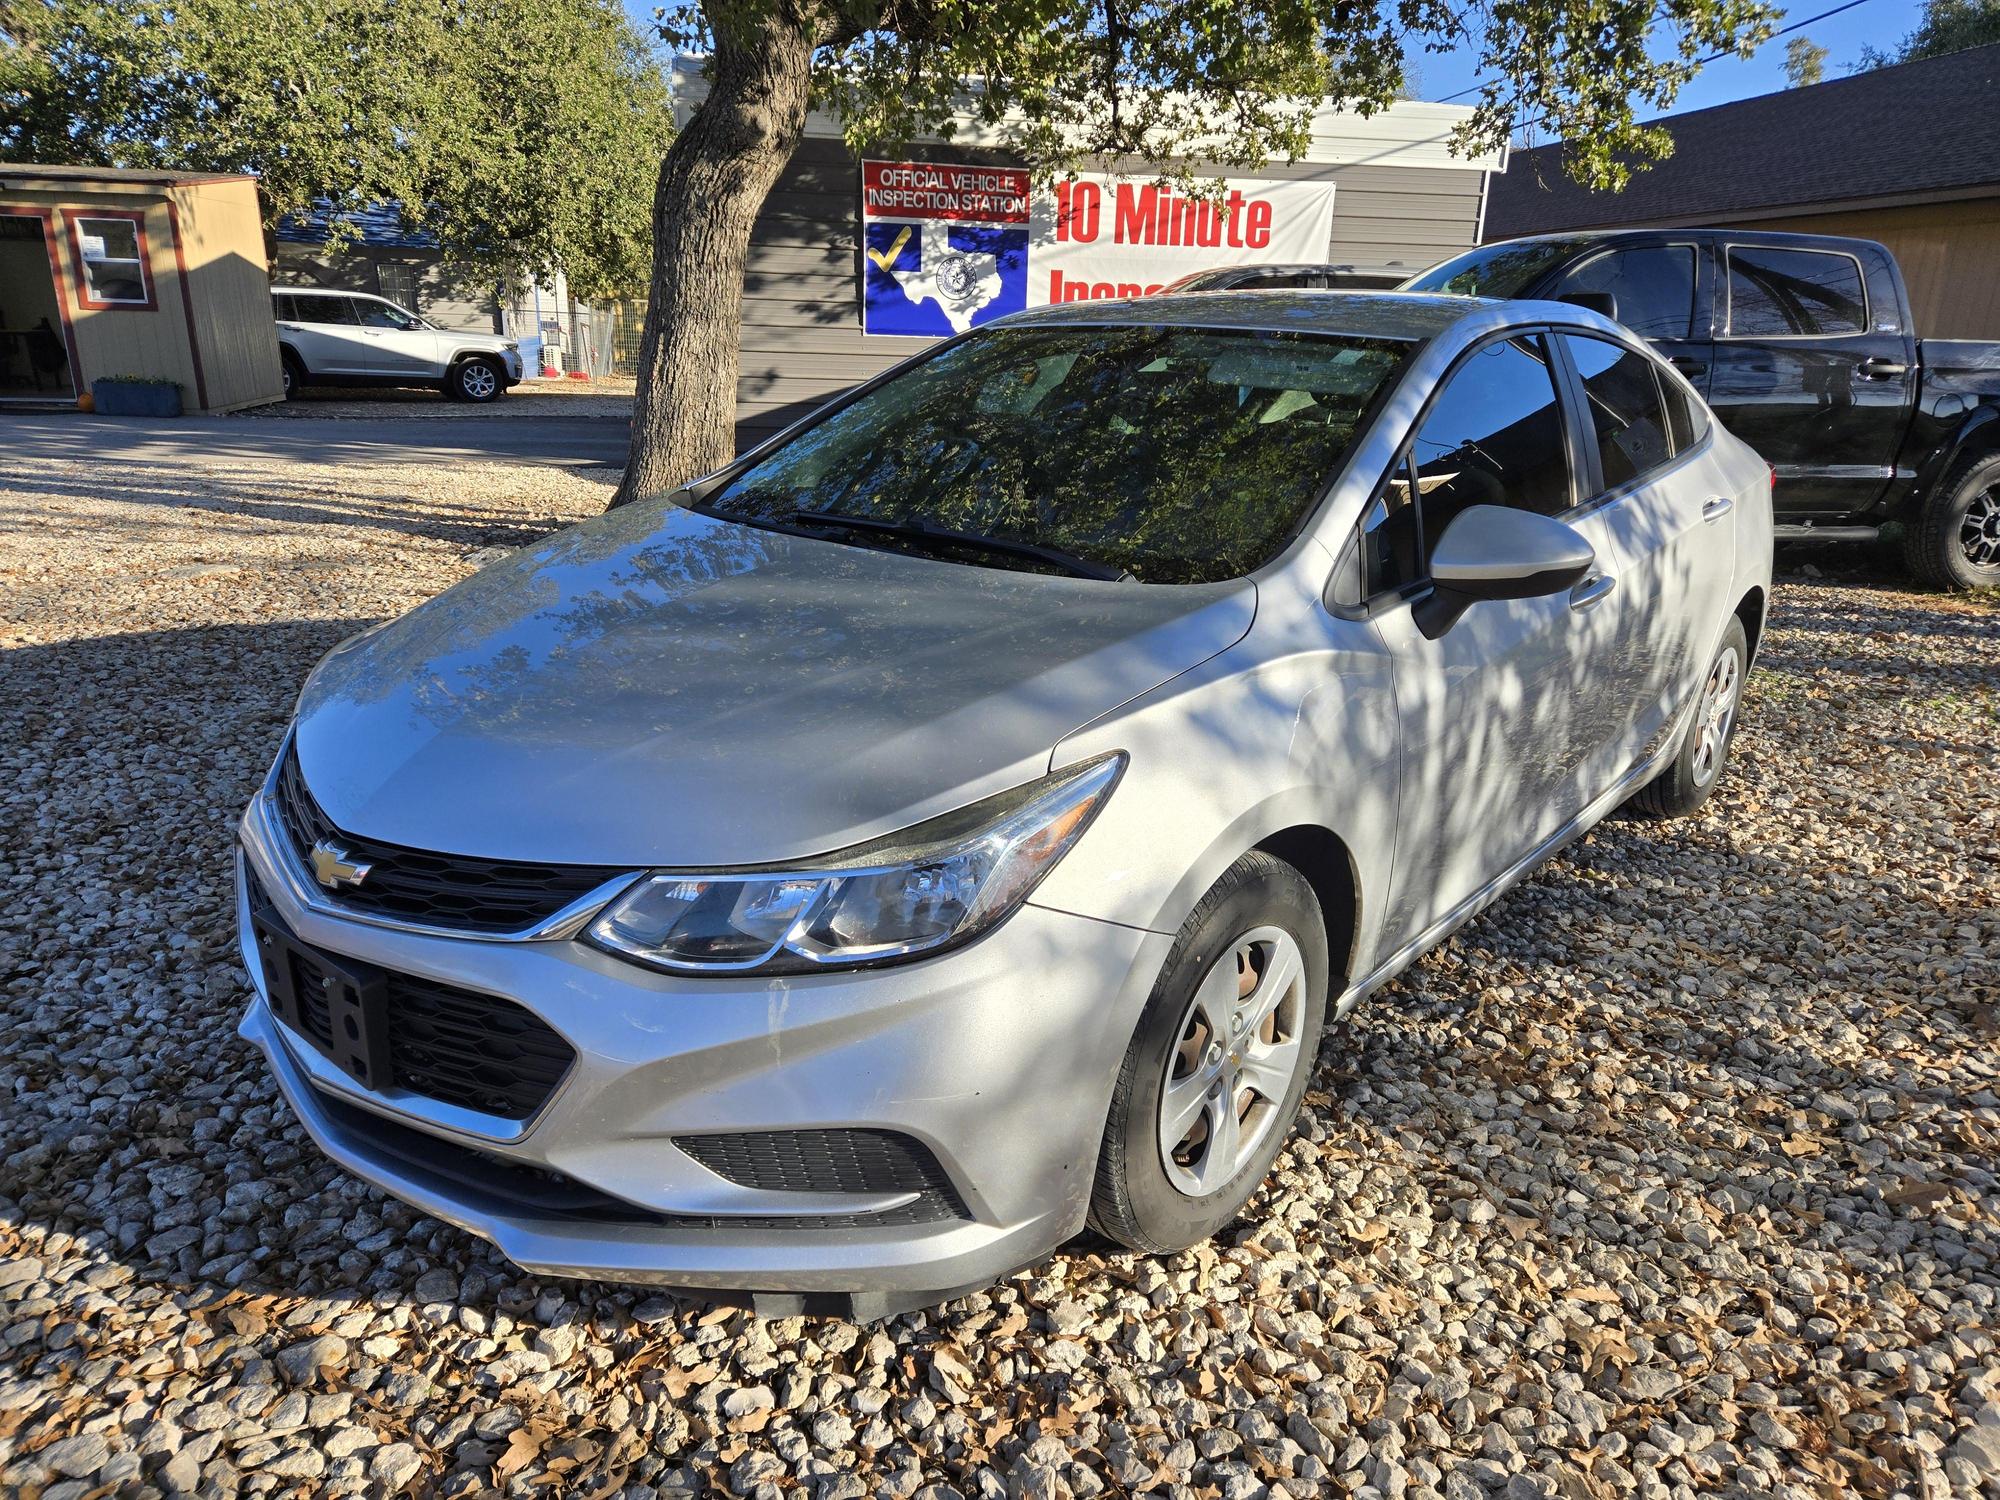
x=138 y=440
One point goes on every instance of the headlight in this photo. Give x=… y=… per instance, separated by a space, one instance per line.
x=930 y=887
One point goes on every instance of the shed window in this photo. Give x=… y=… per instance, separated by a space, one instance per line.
x=113 y=257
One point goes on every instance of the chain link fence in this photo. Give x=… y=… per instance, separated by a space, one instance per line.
x=579 y=340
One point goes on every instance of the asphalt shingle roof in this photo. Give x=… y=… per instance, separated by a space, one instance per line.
x=379 y=226
x=1917 y=127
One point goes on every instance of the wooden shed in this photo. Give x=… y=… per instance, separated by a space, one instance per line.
x=844 y=244
x=107 y=273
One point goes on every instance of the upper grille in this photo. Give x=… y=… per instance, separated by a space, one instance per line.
x=827 y=1161
x=455 y=891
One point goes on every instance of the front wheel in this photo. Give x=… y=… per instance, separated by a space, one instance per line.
x=1704 y=748
x=1953 y=542
x=476 y=380
x=1211 y=1083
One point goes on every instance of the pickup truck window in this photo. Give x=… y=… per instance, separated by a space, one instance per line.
x=1794 y=293
x=1653 y=287
x=1500 y=270
x=1622 y=392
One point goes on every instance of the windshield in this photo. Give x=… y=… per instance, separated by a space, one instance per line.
x=1180 y=455
x=1502 y=270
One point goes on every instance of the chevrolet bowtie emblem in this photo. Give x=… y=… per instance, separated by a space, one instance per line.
x=334 y=867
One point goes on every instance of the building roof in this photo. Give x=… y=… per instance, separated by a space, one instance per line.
x=379 y=226
x=1914 y=131
x=24 y=172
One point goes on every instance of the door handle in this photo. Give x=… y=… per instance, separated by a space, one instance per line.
x=1716 y=509
x=1687 y=364
x=1592 y=591
x=1878 y=368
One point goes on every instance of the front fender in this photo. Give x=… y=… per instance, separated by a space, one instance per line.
x=1294 y=726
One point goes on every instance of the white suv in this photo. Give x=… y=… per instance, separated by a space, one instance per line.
x=351 y=338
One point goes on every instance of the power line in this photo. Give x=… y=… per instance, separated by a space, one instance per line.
x=1713 y=56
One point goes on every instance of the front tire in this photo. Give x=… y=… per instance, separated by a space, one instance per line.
x=1211 y=1083
x=476 y=380
x=1953 y=541
x=1698 y=762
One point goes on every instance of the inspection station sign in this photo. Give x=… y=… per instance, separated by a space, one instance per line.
x=946 y=247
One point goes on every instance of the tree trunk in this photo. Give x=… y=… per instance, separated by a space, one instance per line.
x=713 y=182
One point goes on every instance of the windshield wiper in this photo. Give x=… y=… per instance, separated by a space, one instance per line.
x=971 y=541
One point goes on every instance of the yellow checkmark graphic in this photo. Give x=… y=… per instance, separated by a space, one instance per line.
x=884 y=259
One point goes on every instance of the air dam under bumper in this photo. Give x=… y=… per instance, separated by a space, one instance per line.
x=998 y=1058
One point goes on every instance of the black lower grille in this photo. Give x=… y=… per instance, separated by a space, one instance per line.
x=826 y=1161
x=527 y=1191
x=476 y=1051
x=460 y=892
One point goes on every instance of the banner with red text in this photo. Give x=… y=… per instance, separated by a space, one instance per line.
x=947 y=246
x=1110 y=237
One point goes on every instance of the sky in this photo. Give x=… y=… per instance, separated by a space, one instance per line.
x=1877 y=23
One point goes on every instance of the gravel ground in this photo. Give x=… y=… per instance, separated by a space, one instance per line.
x=608 y=397
x=1672 y=1174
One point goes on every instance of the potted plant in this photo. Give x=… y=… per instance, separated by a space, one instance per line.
x=135 y=396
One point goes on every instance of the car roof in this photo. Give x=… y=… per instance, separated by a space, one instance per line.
x=324 y=291
x=1393 y=315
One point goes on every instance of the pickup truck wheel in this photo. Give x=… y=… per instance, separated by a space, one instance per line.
x=1953 y=541
x=475 y=379
x=1697 y=765
x=1211 y=1082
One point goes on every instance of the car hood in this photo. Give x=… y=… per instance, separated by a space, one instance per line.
x=660 y=687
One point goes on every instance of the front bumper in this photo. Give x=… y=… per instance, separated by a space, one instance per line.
x=999 y=1058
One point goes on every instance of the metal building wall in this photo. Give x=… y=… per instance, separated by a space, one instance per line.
x=801 y=333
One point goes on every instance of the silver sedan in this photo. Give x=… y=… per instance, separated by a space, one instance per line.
x=839 y=881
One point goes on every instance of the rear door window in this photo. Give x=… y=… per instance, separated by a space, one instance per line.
x=1621 y=391
x=1652 y=285
x=1794 y=293
x=282 y=308
x=326 y=310
x=1687 y=418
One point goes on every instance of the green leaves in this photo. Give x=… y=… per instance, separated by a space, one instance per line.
x=1158 y=83
x=524 y=135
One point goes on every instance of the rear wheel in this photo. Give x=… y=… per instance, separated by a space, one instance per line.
x=294 y=373
x=1704 y=748
x=1953 y=542
x=1211 y=1082
x=476 y=379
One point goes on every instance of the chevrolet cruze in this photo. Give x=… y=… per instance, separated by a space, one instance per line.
x=837 y=882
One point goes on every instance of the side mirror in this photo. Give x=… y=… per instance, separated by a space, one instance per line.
x=1597 y=302
x=1497 y=552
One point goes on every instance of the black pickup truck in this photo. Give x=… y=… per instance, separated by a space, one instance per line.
x=1804 y=347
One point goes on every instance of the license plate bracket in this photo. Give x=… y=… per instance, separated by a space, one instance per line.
x=337 y=1005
